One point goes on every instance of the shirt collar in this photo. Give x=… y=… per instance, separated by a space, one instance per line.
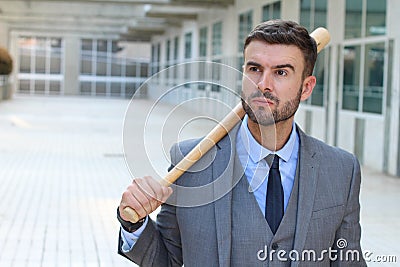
x=257 y=152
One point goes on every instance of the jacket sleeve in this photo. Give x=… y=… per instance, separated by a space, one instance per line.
x=160 y=242
x=347 y=238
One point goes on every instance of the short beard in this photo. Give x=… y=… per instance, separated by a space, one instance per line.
x=267 y=117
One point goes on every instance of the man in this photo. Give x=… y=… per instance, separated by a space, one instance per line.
x=294 y=200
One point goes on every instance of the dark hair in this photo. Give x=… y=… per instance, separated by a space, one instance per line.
x=288 y=33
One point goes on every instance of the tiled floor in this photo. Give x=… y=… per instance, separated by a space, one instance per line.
x=62 y=173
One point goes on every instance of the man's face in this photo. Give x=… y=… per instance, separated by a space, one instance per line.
x=273 y=84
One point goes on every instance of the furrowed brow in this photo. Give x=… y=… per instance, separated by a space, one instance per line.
x=253 y=63
x=290 y=66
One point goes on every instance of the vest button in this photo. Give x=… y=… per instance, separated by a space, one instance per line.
x=275 y=246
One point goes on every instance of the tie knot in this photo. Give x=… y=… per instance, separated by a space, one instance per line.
x=273 y=161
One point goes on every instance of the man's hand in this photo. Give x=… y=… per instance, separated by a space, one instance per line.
x=144 y=195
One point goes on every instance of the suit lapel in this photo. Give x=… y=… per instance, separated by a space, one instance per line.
x=223 y=177
x=307 y=187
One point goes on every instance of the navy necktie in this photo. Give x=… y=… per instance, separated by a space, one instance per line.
x=274 y=200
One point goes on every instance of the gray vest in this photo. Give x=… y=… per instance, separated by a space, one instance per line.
x=251 y=232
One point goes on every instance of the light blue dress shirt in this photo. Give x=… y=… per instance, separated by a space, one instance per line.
x=251 y=155
x=129 y=239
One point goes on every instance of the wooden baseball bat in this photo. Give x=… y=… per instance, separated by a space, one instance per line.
x=321 y=37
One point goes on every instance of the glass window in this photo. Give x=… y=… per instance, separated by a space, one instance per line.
x=130 y=69
x=55 y=55
x=317 y=96
x=351 y=77
x=86 y=64
x=86 y=44
x=168 y=52
x=373 y=77
x=320 y=13
x=54 y=87
x=24 y=61
x=24 y=86
x=155 y=60
x=116 y=89
x=188 y=54
x=176 y=56
x=305 y=13
x=376 y=17
x=40 y=86
x=167 y=58
x=313 y=14
x=363 y=85
x=40 y=59
x=245 y=26
x=130 y=89
x=101 y=67
x=144 y=68
x=41 y=55
x=216 y=76
x=101 y=88
x=26 y=48
x=55 y=64
x=276 y=10
x=101 y=62
x=86 y=88
x=353 y=21
x=114 y=47
x=203 y=42
x=101 y=46
x=217 y=39
x=176 y=48
x=116 y=67
x=86 y=56
x=202 y=75
x=271 y=11
x=188 y=45
x=158 y=57
x=187 y=75
x=365 y=18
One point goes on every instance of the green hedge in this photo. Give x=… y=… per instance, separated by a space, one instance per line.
x=6 y=62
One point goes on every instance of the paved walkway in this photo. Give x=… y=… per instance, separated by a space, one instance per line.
x=62 y=173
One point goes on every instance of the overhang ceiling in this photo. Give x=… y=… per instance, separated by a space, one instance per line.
x=131 y=20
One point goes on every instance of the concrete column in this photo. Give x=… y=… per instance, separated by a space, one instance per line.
x=393 y=11
x=4 y=36
x=71 y=64
x=336 y=8
x=290 y=10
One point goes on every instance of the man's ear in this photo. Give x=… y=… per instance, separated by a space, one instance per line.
x=308 y=87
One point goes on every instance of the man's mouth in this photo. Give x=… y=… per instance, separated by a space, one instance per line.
x=262 y=101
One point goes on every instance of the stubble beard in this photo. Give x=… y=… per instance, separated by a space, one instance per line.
x=267 y=117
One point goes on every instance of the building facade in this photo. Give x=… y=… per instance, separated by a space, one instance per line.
x=73 y=48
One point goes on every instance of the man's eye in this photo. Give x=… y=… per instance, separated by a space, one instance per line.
x=255 y=69
x=281 y=72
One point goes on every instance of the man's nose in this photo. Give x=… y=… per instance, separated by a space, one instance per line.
x=265 y=82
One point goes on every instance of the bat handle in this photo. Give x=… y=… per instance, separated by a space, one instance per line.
x=131 y=214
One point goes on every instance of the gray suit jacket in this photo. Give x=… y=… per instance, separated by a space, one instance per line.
x=328 y=210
